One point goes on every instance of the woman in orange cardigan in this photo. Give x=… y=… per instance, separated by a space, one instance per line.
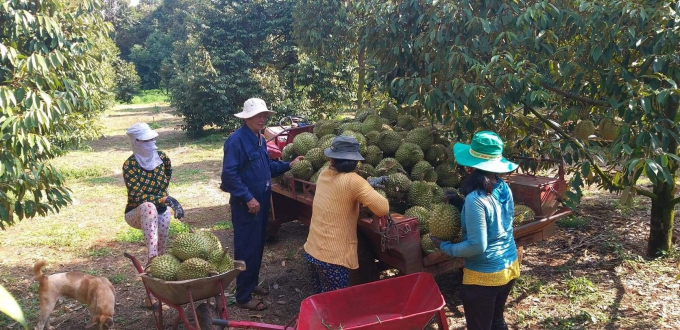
x=331 y=247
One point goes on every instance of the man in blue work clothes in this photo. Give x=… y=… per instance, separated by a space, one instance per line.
x=246 y=176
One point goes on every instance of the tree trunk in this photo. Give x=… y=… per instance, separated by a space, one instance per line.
x=362 y=77
x=661 y=221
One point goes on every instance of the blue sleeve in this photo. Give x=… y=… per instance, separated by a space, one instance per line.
x=278 y=167
x=475 y=226
x=231 y=179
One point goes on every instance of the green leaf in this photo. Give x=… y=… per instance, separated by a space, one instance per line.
x=596 y=53
x=9 y=305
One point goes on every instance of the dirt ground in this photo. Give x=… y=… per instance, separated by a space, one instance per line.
x=591 y=275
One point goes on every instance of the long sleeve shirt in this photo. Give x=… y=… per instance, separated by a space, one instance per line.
x=333 y=230
x=246 y=165
x=488 y=244
x=146 y=186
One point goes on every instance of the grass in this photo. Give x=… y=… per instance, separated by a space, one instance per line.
x=223 y=225
x=133 y=235
x=150 y=96
x=101 y=252
x=574 y=222
x=87 y=172
x=578 y=287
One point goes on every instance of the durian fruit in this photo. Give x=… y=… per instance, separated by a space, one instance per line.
x=363 y=113
x=288 y=153
x=225 y=264
x=409 y=154
x=194 y=268
x=420 y=194
x=366 y=170
x=317 y=157
x=389 y=142
x=372 y=137
x=388 y=166
x=584 y=129
x=164 y=267
x=407 y=122
x=304 y=142
x=447 y=176
x=302 y=170
x=397 y=186
x=373 y=155
x=315 y=177
x=353 y=126
x=436 y=155
x=325 y=142
x=445 y=222
x=324 y=127
x=360 y=138
x=437 y=193
x=423 y=171
x=427 y=245
x=190 y=245
x=523 y=214
x=215 y=257
x=372 y=123
x=214 y=243
x=423 y=216
x=389 y=112
x=422 y=136
x=608 y=129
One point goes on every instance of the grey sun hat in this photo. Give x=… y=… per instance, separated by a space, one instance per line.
x=344 y=147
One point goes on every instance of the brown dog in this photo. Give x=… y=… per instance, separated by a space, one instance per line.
x=96 y=292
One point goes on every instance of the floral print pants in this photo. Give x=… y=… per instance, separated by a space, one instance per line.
x=326 y=277
x=154 y=226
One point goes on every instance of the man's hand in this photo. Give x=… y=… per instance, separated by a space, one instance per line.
x=436 y=241
x=176 y=206
x=379 y=182
x=253 y=206
x=297 y=159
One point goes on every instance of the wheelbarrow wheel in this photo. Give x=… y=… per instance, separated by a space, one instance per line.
x=368 y=269
x=206 y=312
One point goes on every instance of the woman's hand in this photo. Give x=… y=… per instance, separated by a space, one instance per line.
x=175 y=205
x=436 y=241
x=297 y=159
x=379 y=182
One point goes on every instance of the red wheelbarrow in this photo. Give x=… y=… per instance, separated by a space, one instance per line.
x=406 y=302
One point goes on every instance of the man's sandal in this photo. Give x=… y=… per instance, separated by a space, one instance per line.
x=261 y=291
x=253 y=305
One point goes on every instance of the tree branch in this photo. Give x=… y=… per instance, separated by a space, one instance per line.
x=674 y=202
x=578 y=143
x=574 y=96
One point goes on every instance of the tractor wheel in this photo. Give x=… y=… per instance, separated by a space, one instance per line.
x=368 y=268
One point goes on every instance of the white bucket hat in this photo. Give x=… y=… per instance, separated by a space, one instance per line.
x=253 y=107
x=141 y=132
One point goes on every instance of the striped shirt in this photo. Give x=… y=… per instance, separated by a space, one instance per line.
x=333 y=229
x=146 y=186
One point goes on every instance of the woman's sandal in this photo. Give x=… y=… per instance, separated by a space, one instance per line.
x=253 y=305
x=261 y=291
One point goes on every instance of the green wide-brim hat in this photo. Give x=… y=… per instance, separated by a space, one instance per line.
x=485 y=152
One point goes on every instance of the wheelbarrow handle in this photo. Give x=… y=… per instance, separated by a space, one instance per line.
x=135 y=262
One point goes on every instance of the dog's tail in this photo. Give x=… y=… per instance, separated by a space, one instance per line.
x=37 y=269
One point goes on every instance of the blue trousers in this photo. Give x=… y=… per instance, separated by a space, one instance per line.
x=250 y=233
x=326 y=277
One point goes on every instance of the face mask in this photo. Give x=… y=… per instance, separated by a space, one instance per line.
x=146 y=155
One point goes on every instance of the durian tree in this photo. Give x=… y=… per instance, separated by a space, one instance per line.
x=53 y=57
x=543 y=74
x=329 y=30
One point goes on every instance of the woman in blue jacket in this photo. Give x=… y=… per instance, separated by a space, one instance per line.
x=488 y=245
